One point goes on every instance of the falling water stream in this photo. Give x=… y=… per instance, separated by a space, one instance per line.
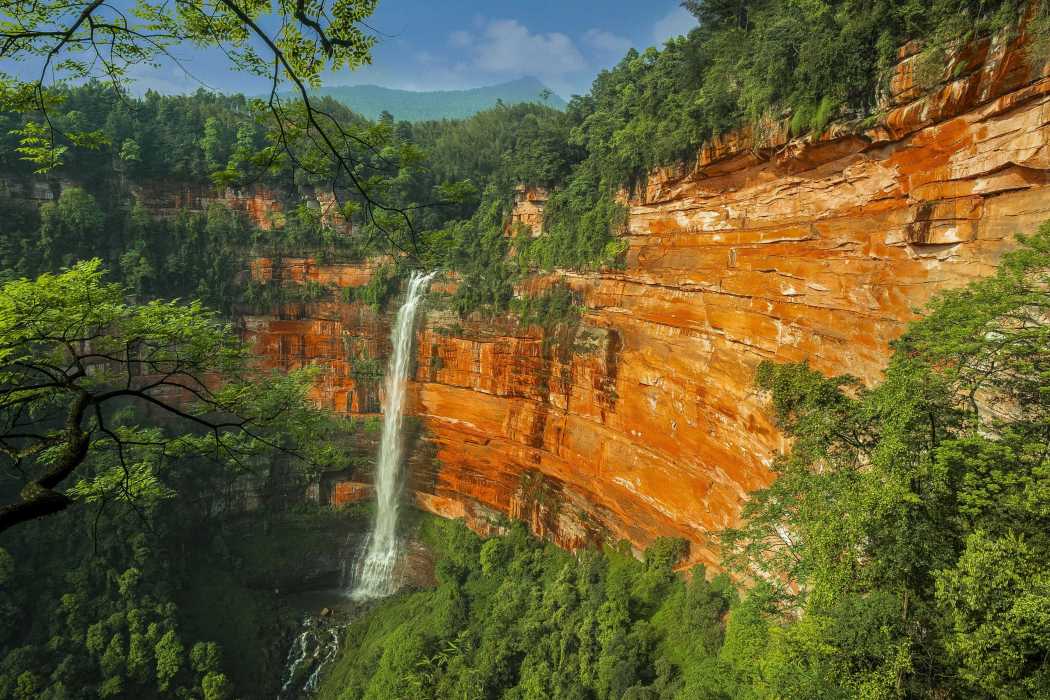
x=375 y=572
x=372 y=574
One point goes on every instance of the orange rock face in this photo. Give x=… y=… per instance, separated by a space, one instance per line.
x=348 y=339
x=646 y=421
x=528 y=209
x=261 y=204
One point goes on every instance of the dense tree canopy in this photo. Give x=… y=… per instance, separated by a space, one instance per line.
x=73 y=353
x=512 y=617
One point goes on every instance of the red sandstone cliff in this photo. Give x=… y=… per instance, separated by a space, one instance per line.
x=647 y=422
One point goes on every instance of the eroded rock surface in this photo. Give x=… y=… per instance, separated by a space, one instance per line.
x=645 y=420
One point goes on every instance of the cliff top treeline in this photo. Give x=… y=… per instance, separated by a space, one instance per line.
x=744 y=62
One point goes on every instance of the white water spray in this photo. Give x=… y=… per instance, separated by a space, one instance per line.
x=374 y=577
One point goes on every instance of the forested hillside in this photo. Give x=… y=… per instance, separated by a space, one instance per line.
x=410 y=105
x=454 y=179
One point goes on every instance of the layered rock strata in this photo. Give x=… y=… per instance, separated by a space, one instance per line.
x=644 y=420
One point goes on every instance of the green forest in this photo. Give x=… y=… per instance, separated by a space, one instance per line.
x=154 y=536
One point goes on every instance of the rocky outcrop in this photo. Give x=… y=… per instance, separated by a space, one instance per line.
x=350 y=340
x=644 y=420
x=529 y=203
x=264 y=206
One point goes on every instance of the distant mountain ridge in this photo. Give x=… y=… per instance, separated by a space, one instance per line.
x=409 y=105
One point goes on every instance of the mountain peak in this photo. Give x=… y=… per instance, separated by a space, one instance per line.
x=410 y=105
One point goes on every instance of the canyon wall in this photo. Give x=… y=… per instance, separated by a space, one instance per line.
x=644 y=420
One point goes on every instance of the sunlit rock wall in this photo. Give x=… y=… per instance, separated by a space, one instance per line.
x=645 y=421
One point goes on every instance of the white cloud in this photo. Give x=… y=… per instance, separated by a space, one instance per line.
x=606 y=42
x=504 y=49
x=507 y=46
x=677 y=21
x=170 y=78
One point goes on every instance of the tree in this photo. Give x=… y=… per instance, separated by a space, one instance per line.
x=998 y=604
x=719 y=13
x=212 y=145
x=169 y=651
x=216 y=687
x=69 y=228
x=206 y=657
x=96 y=40
x=79 y=367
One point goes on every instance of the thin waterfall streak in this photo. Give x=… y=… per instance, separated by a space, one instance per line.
x=333 y=649
x=375 y=575
x=294 y=660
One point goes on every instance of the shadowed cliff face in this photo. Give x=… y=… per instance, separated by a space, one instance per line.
x=646 y=421
x=266 y=207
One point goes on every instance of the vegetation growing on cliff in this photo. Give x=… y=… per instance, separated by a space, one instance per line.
x=909 y=524
x=513 y=617
x=557 y=305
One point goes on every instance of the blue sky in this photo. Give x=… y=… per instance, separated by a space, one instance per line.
x=450 y=44
x=465 y=43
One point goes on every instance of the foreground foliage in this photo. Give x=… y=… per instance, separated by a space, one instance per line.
x=909 y=524
x=86 y=376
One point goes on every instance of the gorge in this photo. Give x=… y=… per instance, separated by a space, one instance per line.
x=647 y=422
x=726 y=379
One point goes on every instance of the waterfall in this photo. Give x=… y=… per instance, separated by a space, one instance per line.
x=374 y=577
